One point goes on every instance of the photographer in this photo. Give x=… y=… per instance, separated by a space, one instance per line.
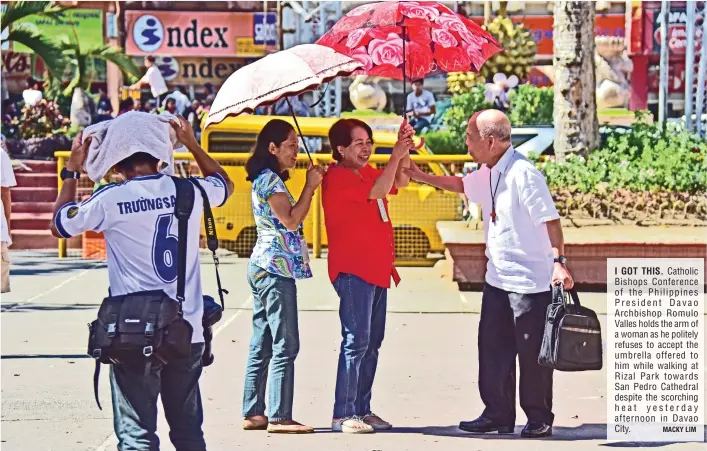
x=141 y=234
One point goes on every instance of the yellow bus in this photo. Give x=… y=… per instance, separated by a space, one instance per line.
x=414 y=212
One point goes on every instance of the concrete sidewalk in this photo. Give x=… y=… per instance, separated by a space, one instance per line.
x=426 y=381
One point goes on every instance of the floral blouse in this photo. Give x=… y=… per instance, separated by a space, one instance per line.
x=278 y=250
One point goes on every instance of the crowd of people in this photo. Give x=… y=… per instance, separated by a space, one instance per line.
x=162 y=101
x=524 y=249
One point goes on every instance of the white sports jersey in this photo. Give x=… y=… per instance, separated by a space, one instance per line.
x=140 y=229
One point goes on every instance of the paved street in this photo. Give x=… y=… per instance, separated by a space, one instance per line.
x=426 y=380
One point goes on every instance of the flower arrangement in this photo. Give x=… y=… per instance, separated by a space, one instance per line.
x=44 y=119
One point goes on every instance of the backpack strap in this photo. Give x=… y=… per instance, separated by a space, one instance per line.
x=211 y=237
x=96 y=375
x=182 y=210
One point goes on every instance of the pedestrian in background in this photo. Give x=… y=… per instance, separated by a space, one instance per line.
x=181 y=100
x=104 y=109
x=525 y=247
x=420 y=103
x=126 y=106
x=154 y=78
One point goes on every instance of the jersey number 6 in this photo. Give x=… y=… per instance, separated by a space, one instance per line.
x=164 y=249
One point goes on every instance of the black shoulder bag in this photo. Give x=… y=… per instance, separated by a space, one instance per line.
x=144 y=328
x=572 y=337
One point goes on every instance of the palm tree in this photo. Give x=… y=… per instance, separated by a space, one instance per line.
x=80 y=64
x=28 y=35
x=576 y=122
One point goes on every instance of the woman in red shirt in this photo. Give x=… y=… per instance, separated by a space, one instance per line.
x=361 y=261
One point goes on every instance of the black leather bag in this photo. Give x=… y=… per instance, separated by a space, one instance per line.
x=572 y=338
x=144 y=328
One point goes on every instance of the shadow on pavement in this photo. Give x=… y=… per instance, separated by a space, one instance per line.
x=44 y=356
x=559 y=433
x=34 y=267
x=17 y=308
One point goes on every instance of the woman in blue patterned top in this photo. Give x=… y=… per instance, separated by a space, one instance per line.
x=279 y=258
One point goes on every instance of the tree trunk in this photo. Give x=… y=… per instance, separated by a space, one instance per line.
x=576 y=122
x=80 y=109
x=3 y=86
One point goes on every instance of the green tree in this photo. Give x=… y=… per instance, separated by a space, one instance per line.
x=575 y=109
x=80 y=65
x=28 y=35
x=531 y=105
x=463 y=107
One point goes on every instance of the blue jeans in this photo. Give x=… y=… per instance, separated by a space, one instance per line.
x=135 y=404
x=275 y=344
x=362 y=311
x=419 y=124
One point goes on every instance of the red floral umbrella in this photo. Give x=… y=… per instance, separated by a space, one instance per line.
x=416 y=39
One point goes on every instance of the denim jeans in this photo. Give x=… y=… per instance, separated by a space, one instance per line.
x=135 y=404
x=419 y=124
x=362 y=311
x=275 y=344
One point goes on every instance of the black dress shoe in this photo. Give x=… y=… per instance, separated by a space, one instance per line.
x=483 y=425
x=536 y=430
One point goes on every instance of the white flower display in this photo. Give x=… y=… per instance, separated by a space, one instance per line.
x=497 y=92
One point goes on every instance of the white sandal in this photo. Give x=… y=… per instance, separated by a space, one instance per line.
x=351 y=425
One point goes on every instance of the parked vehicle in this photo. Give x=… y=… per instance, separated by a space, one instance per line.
x=415 y=211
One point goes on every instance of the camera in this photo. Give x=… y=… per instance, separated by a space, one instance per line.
x=212 y=315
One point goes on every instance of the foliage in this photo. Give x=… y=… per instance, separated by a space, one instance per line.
x=42 y=120
x=463 y=107
x=646 y=158
x=442 y=143
x=54 y=92
x=80 y=65
x=28 y=35
x=16 y=11
x=531 y=105
x=73 y=131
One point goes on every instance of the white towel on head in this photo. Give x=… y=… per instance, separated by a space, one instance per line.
x=115 y=140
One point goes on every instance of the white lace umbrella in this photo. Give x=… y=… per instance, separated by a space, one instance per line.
x=283 y=74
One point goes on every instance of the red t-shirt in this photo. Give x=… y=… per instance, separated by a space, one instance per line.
x=360 y=242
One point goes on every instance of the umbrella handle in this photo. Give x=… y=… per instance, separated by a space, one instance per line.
x=299 y=131
x=405 y=99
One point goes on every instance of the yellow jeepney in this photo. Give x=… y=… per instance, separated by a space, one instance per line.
x=414 y=211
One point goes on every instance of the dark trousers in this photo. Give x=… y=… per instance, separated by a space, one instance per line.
x=135 y=404
x=512 y=324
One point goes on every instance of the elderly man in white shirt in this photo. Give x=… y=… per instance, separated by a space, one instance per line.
x=525 y=246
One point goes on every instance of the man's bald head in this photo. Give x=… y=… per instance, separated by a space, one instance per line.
x=488 y=136
x=491 y=123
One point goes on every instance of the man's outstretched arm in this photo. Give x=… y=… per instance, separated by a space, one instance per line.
x=448 y=183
